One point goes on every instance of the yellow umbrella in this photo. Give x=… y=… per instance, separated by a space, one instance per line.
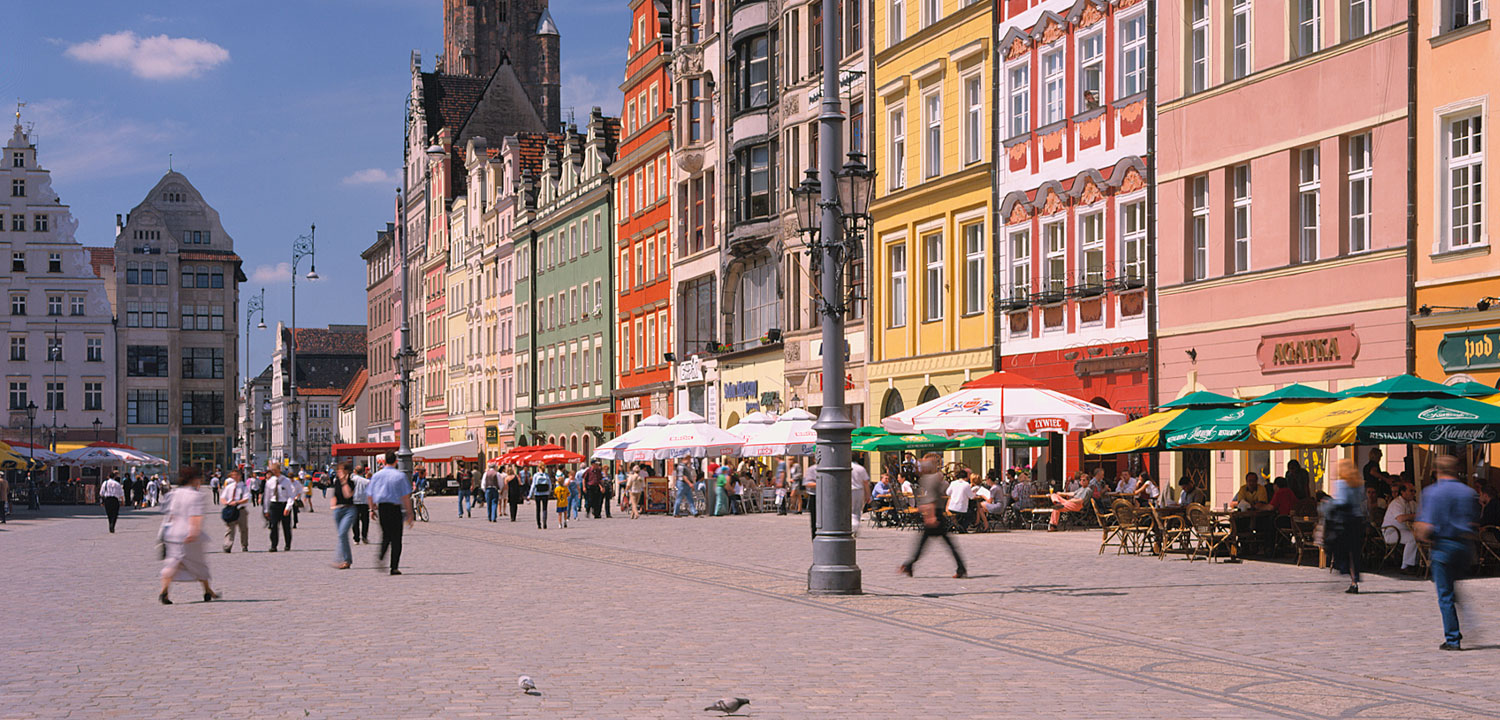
x=1389 y=419
x=11 y=460
x=1137 y=435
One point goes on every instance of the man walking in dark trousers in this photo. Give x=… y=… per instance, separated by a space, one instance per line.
x=1446 y=518
x=111 y=493
x=281 y=499
x=930 y=487
x=593 y=488
x=390 y=499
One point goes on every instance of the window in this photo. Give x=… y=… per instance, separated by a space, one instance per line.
x=161 y=314
x=1198 y=45
x=18 y=188
x=897 y=22
x=1020 y=99
x=973 y=118
x=897 y=294
x=75 y=305
x=1356 y=19
x=754 y=168
x=1361 y=177
x=18 y=262
x=18 y=347
x=932 y=11
x=752 y=68
x=694 y=109
x=1057 y=259
x=853 y=33
x=39 y=223
x=695 y=21
x=94 y=349
x=1239 y=38
x=1052 y=86
x=146 y=361
x=207 y=408
x=857 y=124
x=932 y=279
x=1020 y=264
x=18 y=395
x=1133 y=55
x=18 y=159
x=93 y=396
x=54 y=305
x=132 y=314
x=18 y=304
x=756 y=310
x=815 y=34
x=54 y=348
x=1309 y=26
x=1090 y=71
x=1133 y=242
x=698 y=314
x=1241 y=235
x=18 y=222
x=896 y=160
x=203 y=363
x=932 y=141
x=1464 y=155
x=974 y=268
x=1091 y=248
x=55 y=391
x=54 y=262
x=1459 y=13
x=1308 y=181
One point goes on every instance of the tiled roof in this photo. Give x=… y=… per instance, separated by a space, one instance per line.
x=320 y=341
x=325 y=375
x=329 y=392
x=533 y=150
x=356 y=388
x=448 y=99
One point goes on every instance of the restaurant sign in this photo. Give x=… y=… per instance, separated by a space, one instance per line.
x=1470 y=350
x=1318 y=349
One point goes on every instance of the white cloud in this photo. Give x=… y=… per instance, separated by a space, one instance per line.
x=154 y=58
x=272 y=274
x=370 y=176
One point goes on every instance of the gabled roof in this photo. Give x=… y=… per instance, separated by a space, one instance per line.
x=447 y=100
x=321 y=341
x=355 y=389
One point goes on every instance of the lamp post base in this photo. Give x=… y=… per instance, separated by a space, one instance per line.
x=835 y=579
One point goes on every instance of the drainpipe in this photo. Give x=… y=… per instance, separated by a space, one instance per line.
x=1411 y=185
x=1153 y=374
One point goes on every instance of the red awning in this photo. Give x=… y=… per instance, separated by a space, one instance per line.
x=363 y=449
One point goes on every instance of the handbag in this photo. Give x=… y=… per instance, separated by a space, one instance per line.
x=230 y=514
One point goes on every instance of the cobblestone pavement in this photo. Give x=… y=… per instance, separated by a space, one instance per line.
x=658 y=617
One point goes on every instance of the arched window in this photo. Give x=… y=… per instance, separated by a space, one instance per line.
x=892 y=404
x=929 y=394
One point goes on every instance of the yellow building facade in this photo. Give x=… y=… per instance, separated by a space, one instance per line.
x=931 y=314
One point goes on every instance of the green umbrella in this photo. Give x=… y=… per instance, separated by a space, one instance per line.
x=870 y=431
x=1403 y=385
x=1473 y=389
x=969 y=442
x=1415 y=418
x=1295 y=391
x=903 y=443
x=1200 y=399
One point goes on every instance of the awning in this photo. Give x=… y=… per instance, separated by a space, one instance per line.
x=363 y=449
x=458 y=450
x=69 y=446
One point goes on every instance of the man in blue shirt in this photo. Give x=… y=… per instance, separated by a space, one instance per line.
x=389 y=492
x=1445 y=518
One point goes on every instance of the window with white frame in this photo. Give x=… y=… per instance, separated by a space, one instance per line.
x=1056 y=279
x=1020 y=264
x=1020 y=99
x=896 y=158
x=1239 y=38
x=1463 y=157
x=1198 y=230
x=1461 y=13
x=1356 y=19
x=932 y=11
x=1132 y=39
x=932 y=137
x=1053 y=81
x=1309 y=26
x=1361 y=182
x=974 y=268
x=1241 y=240
x=1133 y=242
x=1090 y=71
x=896 y=265
x=932 y=279
x=1091 y=248
x=973 y=118
x=1198 y=45
x=896 y=22
x=756 y=306
x=1309 y=181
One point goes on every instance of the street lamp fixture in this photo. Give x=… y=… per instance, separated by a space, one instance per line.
x=35 y=502
x=805 y=201
x=97 y=424
x=856 y=190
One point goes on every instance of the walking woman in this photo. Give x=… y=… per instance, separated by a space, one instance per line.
x=342 y=505
x=636 y=489
x=1346 y=520
x=515 y=490
x=541 y=494
x=186 y=557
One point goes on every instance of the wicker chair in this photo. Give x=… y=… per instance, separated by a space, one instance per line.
x=1136 y=526
x=1304 y=536
x=1170 y=530
x=1208 y=536
x=1108 y=525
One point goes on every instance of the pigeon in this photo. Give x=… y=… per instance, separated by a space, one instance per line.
x=728 y=705
x=527 y=686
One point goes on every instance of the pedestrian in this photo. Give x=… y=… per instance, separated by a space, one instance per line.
x=361 y=480
x=390 y=501
x=575 y=490
x=564 y=496
x=213 y=487
x=636 y=490
x=111 y=494
x=236 y=496
x=515 y=490
x=684 y=492
x=930 y=495
x=1345 y=519
x=541 y=494
x=1446 y=518
x=594 y=483
x=810 y=495
x=859 y=493
x=721 y=492
x=153 y=491
x=610 y=486
x=342 y=505
x=186 y=558
x=490 y=484
x=281 y=502
x=465 y=492
x=257 y=488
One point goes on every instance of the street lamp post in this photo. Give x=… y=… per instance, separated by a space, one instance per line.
x=833 y=225
x=97 y=424
x=302 y=247
x=36 y=501
x=255 y=305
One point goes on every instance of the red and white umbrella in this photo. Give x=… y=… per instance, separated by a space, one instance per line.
x=1003 y=402
x=106 y=453
x=687 y=435
x=791 y=434
x=615 y=449
x=752 y=423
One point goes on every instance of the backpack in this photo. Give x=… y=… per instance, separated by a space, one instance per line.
x=539 y=489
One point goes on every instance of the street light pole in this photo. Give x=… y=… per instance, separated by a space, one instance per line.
x=404 y=355
x=256 y=304
x=302 y=247
x=36 y=502
x=834 y=570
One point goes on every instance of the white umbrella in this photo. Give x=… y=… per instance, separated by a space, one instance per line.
x=97 y=455
x=791 y=434
x=615 y=449
x=753 y=423
x=1003 y=402
x=687 y=435
x=41 y=454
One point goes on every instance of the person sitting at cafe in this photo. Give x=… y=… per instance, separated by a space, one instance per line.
x=1068 y=502
x=960 y=500
x=880 y=495
x=1396 y=525
x=1251 y=495
x=1146 y=490
x=1284 y=498
x=1097 y=486
x=1187 y=494
x=994 y=500
x=1127 y=484
x=1489 y=510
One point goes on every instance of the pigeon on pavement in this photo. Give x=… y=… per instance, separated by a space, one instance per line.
x=728 y=705
x=527 y=686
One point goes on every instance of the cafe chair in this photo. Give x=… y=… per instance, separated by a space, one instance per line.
x=1208 y=536
x=1171 y=531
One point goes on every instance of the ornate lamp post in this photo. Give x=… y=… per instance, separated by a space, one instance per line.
x=35 y=503
x=303 y=247
x=97 y=424
x=256 y=305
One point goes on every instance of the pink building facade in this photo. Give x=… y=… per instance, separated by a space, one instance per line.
x=1282 y=147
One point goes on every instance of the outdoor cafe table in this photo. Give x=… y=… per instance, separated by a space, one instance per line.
x=1231 y=520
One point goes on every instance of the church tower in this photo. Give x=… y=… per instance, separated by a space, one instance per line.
x=477 y=34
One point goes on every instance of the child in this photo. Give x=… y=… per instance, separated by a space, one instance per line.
x=560 y=493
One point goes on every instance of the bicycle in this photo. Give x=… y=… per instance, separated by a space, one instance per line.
x=419 y=505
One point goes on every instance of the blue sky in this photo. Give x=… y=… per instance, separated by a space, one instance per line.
x=283 y=113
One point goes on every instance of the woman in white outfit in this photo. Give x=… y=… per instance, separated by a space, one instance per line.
x=186 y=553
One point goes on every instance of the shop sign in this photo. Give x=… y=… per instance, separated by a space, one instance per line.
x=817 y=382
x=690 y=370
x=1286 y=352
x=1111 y=365
x=491 y=434
x=741 y=390
x=1470 y=350
x=611 y=422
x=1041 y=424
x=630 y=403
